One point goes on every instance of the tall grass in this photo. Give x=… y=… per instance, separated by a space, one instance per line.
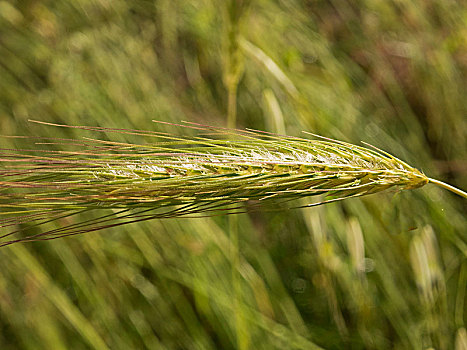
x=351 y=274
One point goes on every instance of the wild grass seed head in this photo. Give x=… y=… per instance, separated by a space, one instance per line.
x=173 y=176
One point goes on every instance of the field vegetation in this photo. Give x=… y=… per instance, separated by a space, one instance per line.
x=384 y=271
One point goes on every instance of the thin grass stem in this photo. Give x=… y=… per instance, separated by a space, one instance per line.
x=448 y=187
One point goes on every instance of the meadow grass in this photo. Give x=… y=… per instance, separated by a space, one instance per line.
x=352 y=274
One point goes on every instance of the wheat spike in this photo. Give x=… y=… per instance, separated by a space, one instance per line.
x=174 y=176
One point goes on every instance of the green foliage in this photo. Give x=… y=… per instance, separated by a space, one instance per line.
x=383 y=271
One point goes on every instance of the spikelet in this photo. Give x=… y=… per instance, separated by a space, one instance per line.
x=180 y=176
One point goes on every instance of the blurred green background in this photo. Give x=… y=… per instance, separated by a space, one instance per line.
x=384 y=272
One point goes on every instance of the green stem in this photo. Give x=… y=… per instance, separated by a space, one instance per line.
x=232 y=106
x=449 y=187
x=232 y=78
x=241 y=331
